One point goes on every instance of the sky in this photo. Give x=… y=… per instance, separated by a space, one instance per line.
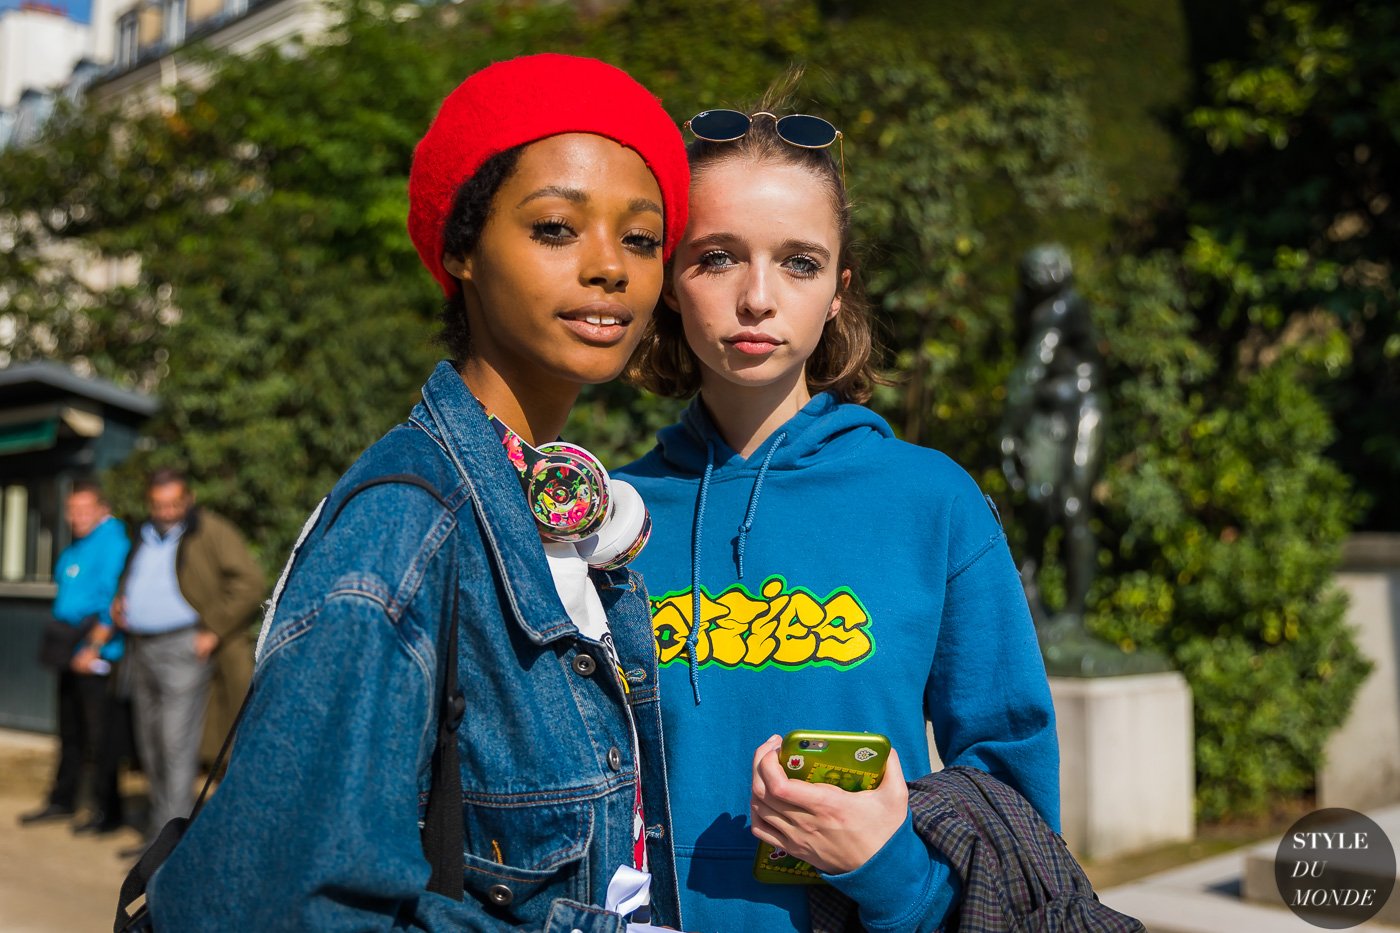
x=77 y=9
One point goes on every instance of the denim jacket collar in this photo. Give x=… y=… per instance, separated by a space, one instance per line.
x=453 y=417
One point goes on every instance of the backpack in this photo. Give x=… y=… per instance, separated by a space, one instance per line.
x=442 y=827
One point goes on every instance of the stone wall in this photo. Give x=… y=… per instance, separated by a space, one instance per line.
x=1362 y=766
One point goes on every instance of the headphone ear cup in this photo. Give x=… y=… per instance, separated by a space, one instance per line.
x=568 y=492
x=624 y=532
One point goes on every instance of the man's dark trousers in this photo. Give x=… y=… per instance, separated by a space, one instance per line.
x=88 y=728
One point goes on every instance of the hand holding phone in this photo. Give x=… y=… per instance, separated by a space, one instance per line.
x=804 y=811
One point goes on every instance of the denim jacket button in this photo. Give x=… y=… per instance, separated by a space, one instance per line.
x=501 y=895
x=614 y=759
x=584 y=664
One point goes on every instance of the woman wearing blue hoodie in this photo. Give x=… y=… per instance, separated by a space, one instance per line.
x=843 y=579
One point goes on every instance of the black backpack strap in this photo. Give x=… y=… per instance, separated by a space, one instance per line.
x=407 y=479
x=442 y=835
x=442 y=823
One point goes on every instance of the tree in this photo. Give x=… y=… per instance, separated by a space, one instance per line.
x=1293 y=215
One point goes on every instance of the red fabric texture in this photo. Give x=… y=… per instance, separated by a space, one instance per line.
x=524 y=100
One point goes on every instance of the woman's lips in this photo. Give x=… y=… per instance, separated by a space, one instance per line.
x=604 y=325
x=753 y=343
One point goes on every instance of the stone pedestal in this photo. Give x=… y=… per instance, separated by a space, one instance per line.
x=1127 y=766
x=1361 y=766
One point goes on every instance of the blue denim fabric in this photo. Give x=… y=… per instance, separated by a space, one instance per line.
x=316 y=826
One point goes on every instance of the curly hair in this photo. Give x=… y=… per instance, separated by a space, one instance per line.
x=471 y=209
x=842 y=362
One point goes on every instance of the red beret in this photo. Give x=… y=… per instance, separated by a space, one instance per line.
x=530 y=98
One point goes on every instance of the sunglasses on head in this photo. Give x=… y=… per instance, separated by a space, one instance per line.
x=796 y=129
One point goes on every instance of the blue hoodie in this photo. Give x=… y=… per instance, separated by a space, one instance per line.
x=851 y=582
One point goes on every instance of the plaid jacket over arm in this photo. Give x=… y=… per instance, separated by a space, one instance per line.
x=1017 y=874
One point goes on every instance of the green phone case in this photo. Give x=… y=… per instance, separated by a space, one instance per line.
x=849 y=760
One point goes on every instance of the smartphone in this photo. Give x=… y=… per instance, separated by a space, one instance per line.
x=849 y=760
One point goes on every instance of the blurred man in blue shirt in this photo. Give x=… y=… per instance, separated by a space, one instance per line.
x=87 y=573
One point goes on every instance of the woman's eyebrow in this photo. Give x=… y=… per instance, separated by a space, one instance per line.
x=579 y=196
x=719 y=238
x=572 y=195
x=806 y=246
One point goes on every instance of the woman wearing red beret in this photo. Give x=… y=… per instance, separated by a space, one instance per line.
x=544 y=198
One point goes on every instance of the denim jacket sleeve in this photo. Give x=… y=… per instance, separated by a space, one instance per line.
x=316 y=825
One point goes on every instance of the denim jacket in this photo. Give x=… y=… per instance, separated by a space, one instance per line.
x=316 y=825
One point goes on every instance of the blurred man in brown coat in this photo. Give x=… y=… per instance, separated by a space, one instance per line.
x=186 y=601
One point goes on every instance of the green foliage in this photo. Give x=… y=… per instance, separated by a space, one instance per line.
x=1131 y=61
x=960 y=159
x=1294 y=190
x=1228 y=519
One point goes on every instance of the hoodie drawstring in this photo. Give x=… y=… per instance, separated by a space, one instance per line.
x=694 y=634
x=747 y=526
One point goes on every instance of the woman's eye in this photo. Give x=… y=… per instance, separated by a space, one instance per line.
x=804 y=266
x=551 y=232
x=643 y=242
x=715 y=259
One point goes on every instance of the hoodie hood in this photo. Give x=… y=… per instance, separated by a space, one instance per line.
x=823 y=428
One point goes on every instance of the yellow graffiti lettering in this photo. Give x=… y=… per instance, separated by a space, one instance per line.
x=844 y=638
x=787 y=627
x=732 y=628
x=796 y=633
x=671 y=627
x=670 y=624
x=761 y=642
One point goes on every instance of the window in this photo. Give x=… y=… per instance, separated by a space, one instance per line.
x=174 y=20
x=126 y=40
x=32 y=529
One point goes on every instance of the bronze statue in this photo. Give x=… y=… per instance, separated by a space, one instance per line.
x=1052 y=447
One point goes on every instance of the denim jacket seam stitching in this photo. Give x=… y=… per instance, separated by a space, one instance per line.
x=574 y=686
x=366 y=592
x=519 y=874
x=289 y=632
x=385 y=604
x=587 y=863
x=640 y=695
x=549 y=862
x=413 y=575
x=418 y=423
x=602 y=788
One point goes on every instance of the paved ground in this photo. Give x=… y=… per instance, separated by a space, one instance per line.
x=1205 y=897
x=54 y=882
x=50 y=880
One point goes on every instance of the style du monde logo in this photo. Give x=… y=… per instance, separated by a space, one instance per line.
x=1335 y=868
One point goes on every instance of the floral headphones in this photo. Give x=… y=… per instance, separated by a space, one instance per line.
x=574 y=500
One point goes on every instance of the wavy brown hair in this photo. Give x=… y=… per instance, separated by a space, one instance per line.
x=842 y=362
